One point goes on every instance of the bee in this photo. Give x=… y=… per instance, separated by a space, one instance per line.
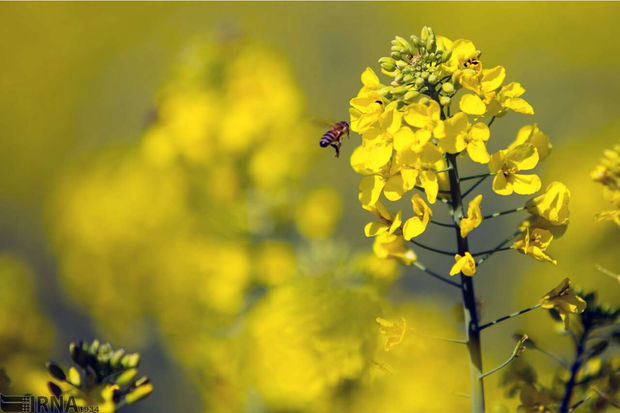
x=333 y=135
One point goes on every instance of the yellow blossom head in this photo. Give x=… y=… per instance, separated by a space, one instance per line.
x=552 y=205
x=564 y=299
x=464 y=264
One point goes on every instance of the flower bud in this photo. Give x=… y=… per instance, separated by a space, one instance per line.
x=448 y=88
x=419 y=82
x=416 y=41
x=404 y=44
x=445 y=100
x=446 y=55
x=411 y=94
x=432 y=79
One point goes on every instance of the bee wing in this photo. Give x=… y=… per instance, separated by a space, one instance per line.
x=322 y=122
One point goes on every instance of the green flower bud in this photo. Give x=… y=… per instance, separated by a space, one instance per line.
x=416 y=41
x=408 y=78
x=401 y=64
x=411 y=94
x=388 y=64
x=419 y=82
x=94 y=347
x=399 y=90
x=432 y=79
x=404 y=44
x=446 y=56
x=448 y=88
x=424 y=75
x=445 y=100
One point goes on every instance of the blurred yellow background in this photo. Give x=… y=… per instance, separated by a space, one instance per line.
x=110 y=230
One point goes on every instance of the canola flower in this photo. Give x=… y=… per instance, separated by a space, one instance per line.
x=607 y=173
x=435 y=111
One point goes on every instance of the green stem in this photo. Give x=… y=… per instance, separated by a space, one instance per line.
x=435 y=275
x=509 y=316
x=437 y=250
x=510 y=211
x=468 y=296
x=581 y=346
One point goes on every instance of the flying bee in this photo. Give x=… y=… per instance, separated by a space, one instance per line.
x=334 y=134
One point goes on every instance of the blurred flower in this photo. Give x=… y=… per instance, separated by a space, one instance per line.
x=608 y=174
x=318 y=213
x=394 y=331
x=564 y=299
x=552 y=204
x=393 y=246
x=275 y=262
x=534 y=242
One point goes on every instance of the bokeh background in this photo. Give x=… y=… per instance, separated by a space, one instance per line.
x=161 y=187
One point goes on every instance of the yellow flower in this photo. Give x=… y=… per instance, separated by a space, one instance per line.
x=487 y=100
x=417 y=224
x=552 y=204
x=367 y=106
x=474 y=217
x=394 y=331
x=507 y=162
x=459 y=134
x=464 y=57
x=612 y=215
x=464 y=264
x=564 y=299
x=534 y=242
x=387 y=223
x=393 y=246
x=426 y=117
x=421 y=166
x=531 y=134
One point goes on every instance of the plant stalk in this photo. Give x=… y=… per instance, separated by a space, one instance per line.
x=570 y=386
x=469 y=298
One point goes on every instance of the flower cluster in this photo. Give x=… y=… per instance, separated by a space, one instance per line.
x=107 y=379
x=608 y=174
x=409 y=130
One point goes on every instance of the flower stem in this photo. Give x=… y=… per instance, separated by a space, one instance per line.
x=489 y=252
x=437 y=250
x=469 y=298
x=467 y=178
x=434 y=274
x=500 y=245
x=509 y=316
x=442 y=224
x=510 y=211
x=581 y=346
x=478 y=182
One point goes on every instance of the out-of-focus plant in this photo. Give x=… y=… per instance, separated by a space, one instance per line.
x=607 y=173
x=590 y=381
x=412 y=139
x=106 y=380
x=25 y=335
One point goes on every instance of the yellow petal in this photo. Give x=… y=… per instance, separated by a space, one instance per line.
x=519 y=105
x=370 y=189
x=472 y=104
x=417 y=115
x=403 y=139
x=493 y=78
x=413 y=227
x=477 y=151
x=394 y=188
x=428 y=180
x=501 y=185
x=370 y=79
x=525 y=184
x=523 y=156
x=375 y=228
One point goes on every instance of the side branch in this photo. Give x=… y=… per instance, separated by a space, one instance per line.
x=510 y=211
x=467 y=178
x=489 y=252
x=515 y=353
x=506 y=317
x=437 y=250
x=481 y=180
x=435 y=275
x=500 y=245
